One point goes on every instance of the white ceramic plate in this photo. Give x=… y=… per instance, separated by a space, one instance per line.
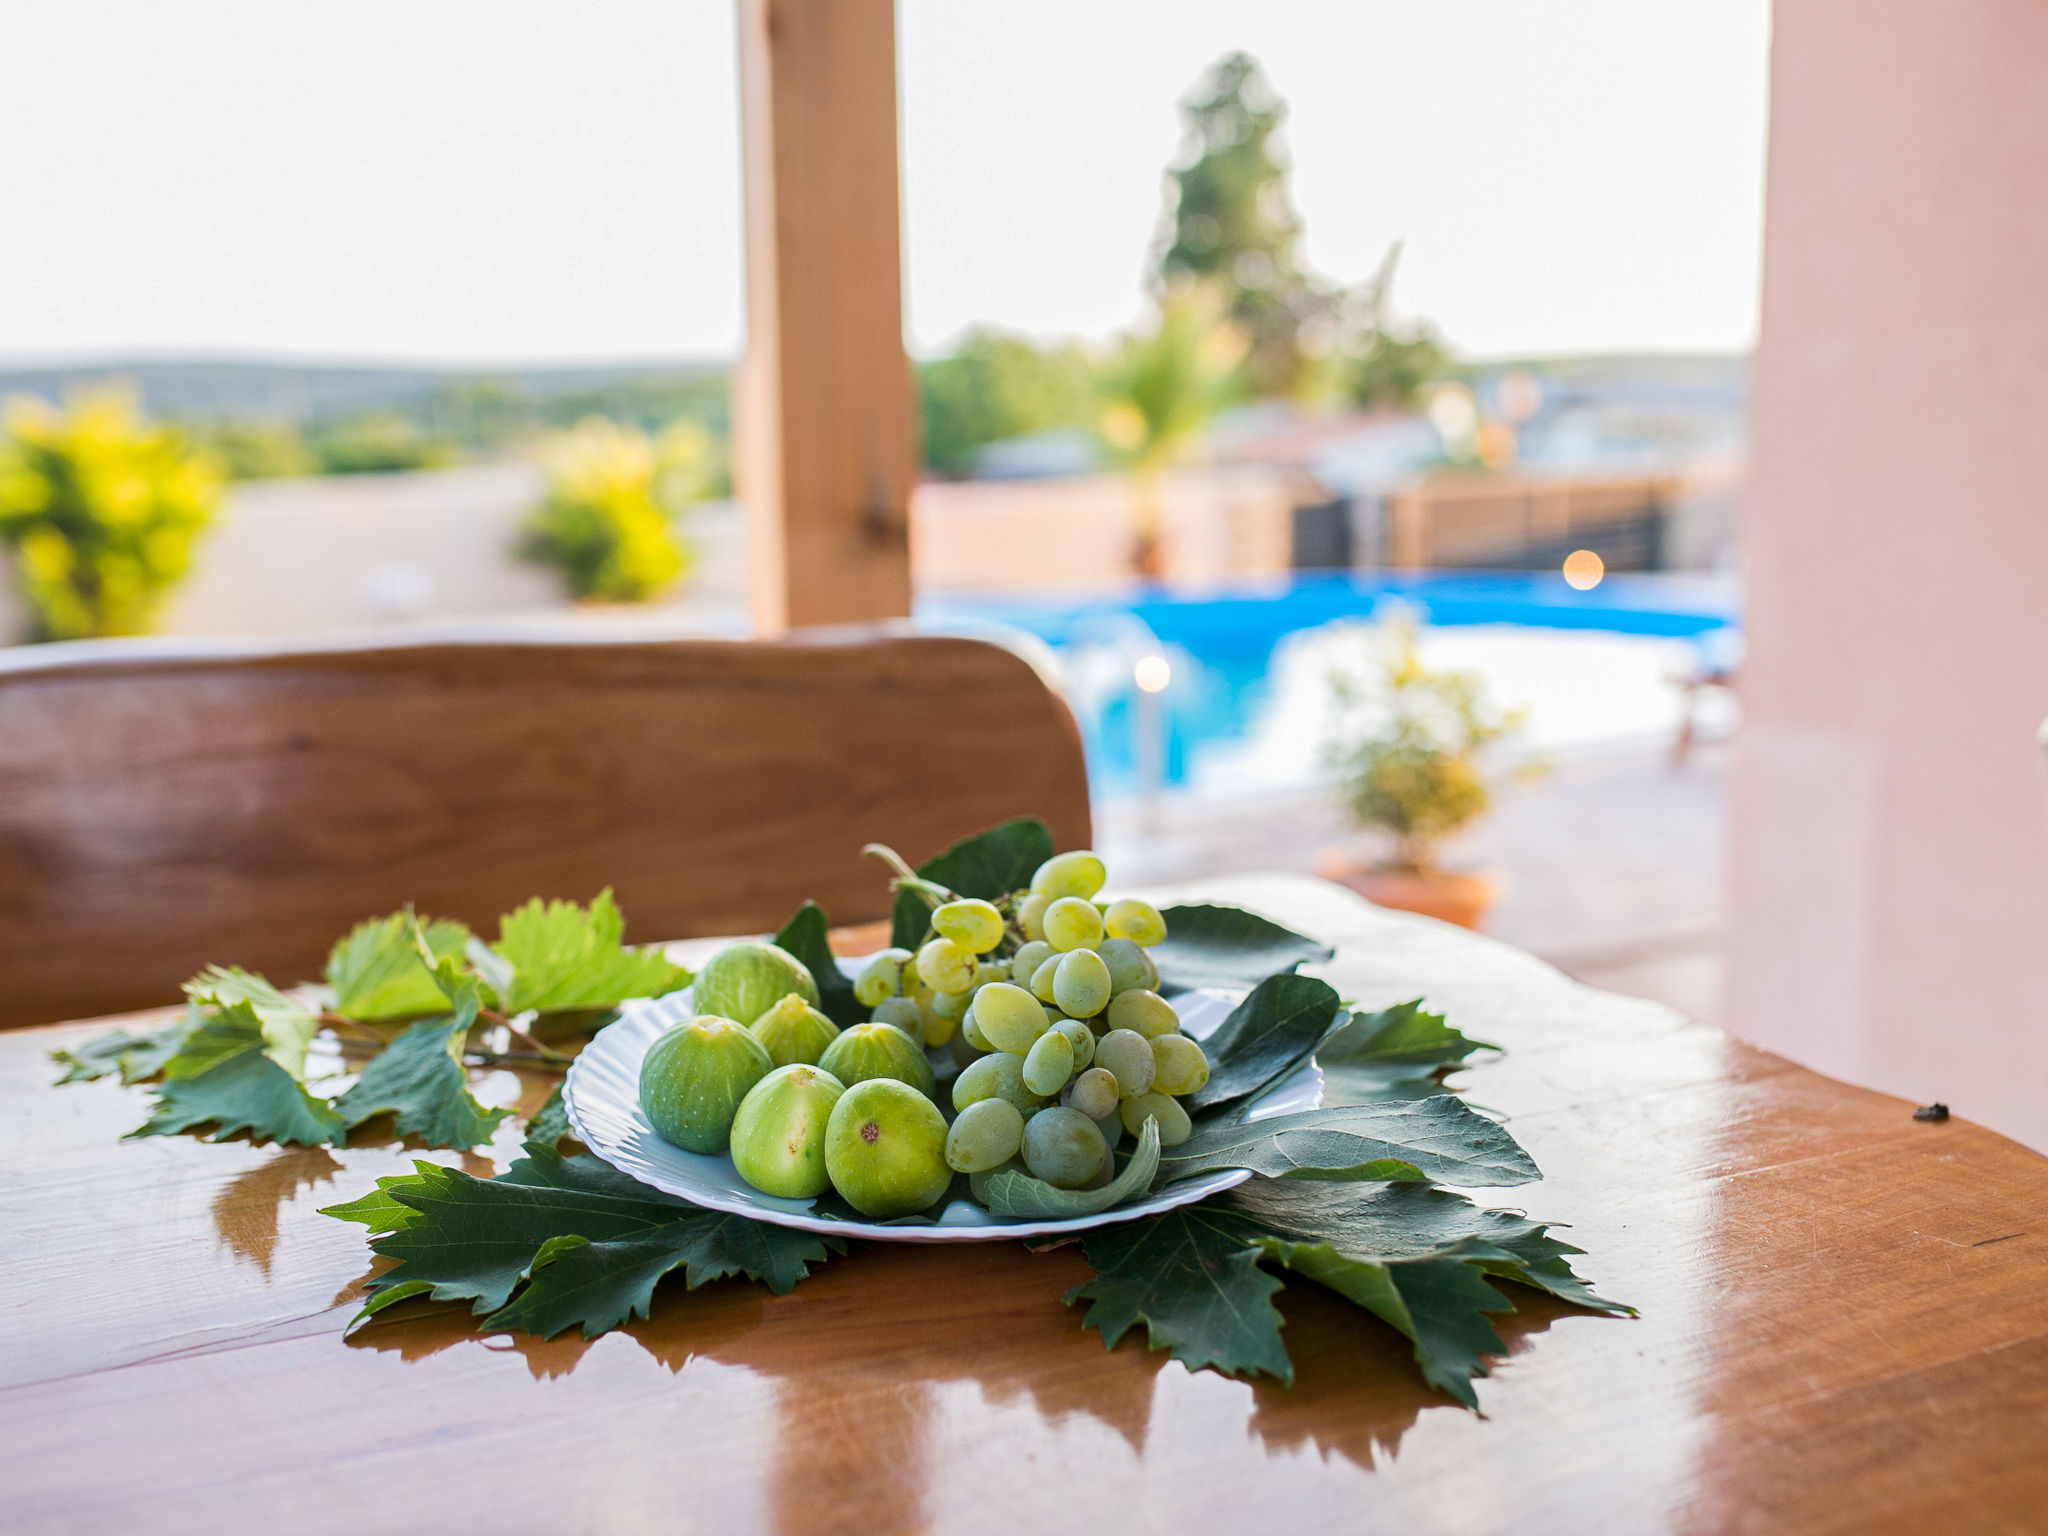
x=602 y=1096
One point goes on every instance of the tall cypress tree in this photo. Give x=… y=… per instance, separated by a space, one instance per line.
x=1232 y=225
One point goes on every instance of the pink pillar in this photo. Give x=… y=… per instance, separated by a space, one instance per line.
x=1889 y=864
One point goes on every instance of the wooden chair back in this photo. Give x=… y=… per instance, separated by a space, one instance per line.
x=161 y=810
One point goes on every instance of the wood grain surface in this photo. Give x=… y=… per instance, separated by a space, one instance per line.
x=1844 y=1329
x=162 y=811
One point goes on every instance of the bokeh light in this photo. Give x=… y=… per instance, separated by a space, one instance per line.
x=1583 y=569
x=1152 y=673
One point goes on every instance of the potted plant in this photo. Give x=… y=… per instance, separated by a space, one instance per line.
x=1409 y=746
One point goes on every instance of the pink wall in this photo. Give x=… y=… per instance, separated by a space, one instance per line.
x=1889 y=866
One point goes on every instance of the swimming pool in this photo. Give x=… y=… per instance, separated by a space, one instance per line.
x=1220 y=645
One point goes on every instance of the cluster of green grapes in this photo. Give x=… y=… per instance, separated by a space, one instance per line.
x=1063 y=1040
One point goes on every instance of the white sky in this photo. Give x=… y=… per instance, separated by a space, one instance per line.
x=508 y=180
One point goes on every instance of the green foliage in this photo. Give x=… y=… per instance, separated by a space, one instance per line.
x=807 y=936
x=567 y=958
x=549 y=1126
x=376 y=442
x=237 y=1059
x=101 y=510
x=604 y=527
x=1162 y=387
x=577 y=1241
x=255 y=449
x=994 y=387
x=1408 y=745
x=1275 y=1030
x=989 y=865
x=1227 y=948
x=377 y=974
x=1440 y=1140
x=418 y=1080
x=1416 y=1257
x=1379 y=362
x=1397 y=1053
x=1232 y=227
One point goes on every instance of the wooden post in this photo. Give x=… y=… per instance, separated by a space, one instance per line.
x=826 y=447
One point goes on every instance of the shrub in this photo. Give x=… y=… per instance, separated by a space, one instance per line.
x=101 y=509
x=1409 y=746
x=607 y=524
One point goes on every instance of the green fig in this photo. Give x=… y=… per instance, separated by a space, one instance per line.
x=743 y=981
x=794 y=1032
x=778 y=1134
x=694 y=1077
x=878 y=1050
x=885 y=1148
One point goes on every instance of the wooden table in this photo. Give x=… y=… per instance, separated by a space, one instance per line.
x=1845 y=1328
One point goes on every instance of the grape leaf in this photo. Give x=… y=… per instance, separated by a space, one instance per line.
x=1440 y=1139
x=1227 y=948
x=989 y=864
x=549 y=1127
x=418 y=1079
x=376 y=971
x=115 y=1052
x=1193 y=1278
x=565 y=957
x=244 y=1091
x=1417 y=1257
x=1266 y=1036
x=1397 y=1053
x=287 y=1024
x=587 y=1243
x=806 y=935
x=1019 y=1195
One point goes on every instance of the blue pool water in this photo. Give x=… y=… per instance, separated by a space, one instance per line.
x=1221 y=641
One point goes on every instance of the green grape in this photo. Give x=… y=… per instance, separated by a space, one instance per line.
x=987 y=1134
x=1081 y=1038
x=1094 y=1093
x=970 y=1031
x=1080 y=985
x=1049 y=1064
x=945 y=967
x=1000 y=1076
x=1130 y=968
x=1174 y=1125
x=1031 y=916
x=1179 y=1066
x=1112 y=1130
x=986 y=971
x=1041 y=979
x=1138 y=921
x=976 y=926
x=1010 y=1018
x=904 y=1013
x=1147 y=1013
x=952 y=1005
x=881 y=977
x=1063 y=1147
x=1128 y=1054
x=963 y=1051
x=1070 y=923
x=1069 y=874
x=1025 y=963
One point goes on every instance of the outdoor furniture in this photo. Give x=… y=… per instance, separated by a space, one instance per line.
x=166 y=807
x=1844 y=1329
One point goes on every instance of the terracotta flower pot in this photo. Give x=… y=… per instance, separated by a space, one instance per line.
x=1447 y=895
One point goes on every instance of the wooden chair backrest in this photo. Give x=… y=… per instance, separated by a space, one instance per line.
x=161 y=811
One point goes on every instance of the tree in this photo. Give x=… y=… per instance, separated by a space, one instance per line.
x=1158 y=393
x=102 y=509
x=604 y=527
x=1382 y=364
x=995 y=387
x=1231 y=224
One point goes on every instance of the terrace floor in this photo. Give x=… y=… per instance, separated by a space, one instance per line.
x=1611 y=862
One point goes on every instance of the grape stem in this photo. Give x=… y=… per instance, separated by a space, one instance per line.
x=930 y=892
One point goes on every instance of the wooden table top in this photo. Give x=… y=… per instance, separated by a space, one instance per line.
x=1844 y=1328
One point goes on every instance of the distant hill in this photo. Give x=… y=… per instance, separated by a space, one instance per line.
x=299 y=394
